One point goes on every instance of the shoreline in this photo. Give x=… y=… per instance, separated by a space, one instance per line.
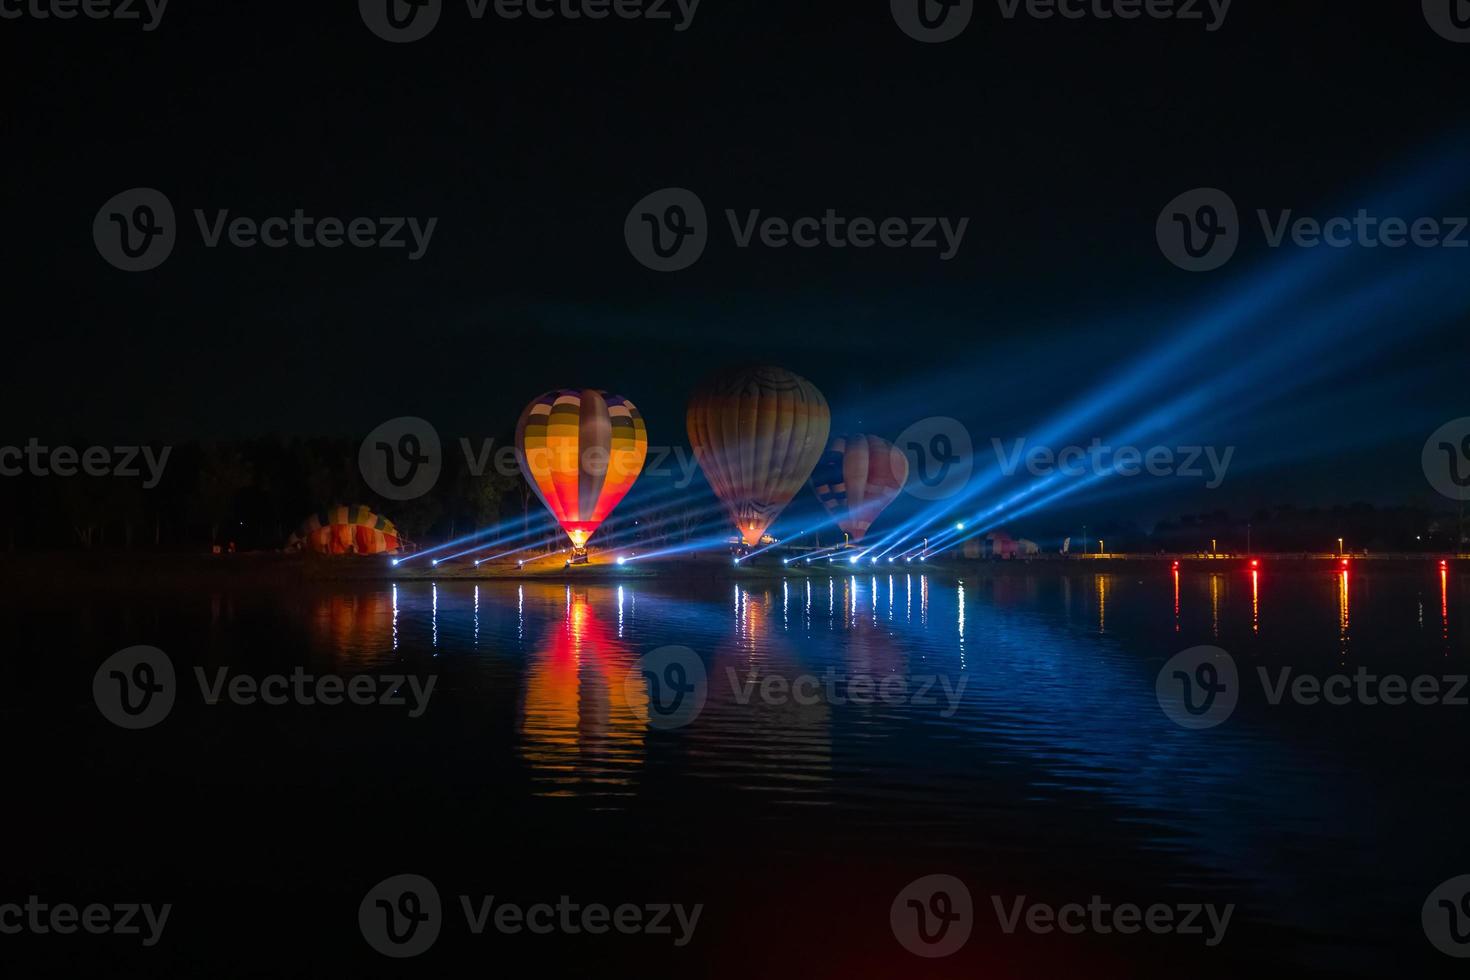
x=126 y=571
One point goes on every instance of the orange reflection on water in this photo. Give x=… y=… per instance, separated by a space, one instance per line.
x=1344 y=609
x=1215 y=604
x=1102 y=604
x=579 y=728
x=1255 y=601
x=1176 y=600
x=355 y=628
x=1444 y=603
x=754 y=616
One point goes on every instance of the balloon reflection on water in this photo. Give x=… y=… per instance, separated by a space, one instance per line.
x=354 y=629
x=579 y=729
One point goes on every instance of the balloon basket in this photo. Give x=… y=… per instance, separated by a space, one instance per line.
x=579 y=557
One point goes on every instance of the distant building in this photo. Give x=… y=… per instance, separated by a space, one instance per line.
x=1000 y=544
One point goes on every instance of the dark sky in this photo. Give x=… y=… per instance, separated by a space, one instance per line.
x=530 y=142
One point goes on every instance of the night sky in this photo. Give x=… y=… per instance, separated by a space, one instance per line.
x=1060 y=141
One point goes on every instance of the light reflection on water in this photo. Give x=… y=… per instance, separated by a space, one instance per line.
x=578 y=729
x=1058 y=704
x=578 y=641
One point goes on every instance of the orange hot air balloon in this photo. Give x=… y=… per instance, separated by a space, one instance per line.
x=857 y=479
x=757 y=433
x=581 y=451
x=350 y=530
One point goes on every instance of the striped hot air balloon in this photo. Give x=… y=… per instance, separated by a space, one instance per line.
x=857 y=478
x=346 y=530
x=757 y=433
x=581 y=451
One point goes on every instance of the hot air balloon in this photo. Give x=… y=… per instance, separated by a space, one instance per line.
x=581 y=451
x=857 y=478
x=757 y=433
x=353 y=530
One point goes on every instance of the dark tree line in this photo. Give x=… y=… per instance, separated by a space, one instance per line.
x=253 y=493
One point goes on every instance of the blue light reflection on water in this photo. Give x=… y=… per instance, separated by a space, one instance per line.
x=1058 y=680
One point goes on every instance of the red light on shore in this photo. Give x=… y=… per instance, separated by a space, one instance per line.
x=1443 y=563
x=1255 y=563
x=1176 y=564
x=1344 y=563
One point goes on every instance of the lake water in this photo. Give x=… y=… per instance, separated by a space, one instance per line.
x=853 y=733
